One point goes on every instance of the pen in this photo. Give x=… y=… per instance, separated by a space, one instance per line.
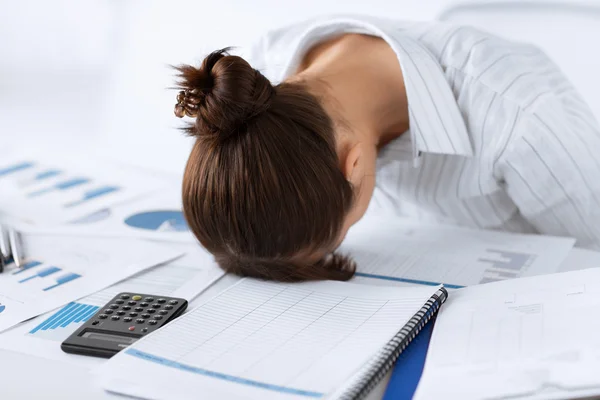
x=14 y=239
x=5 y=252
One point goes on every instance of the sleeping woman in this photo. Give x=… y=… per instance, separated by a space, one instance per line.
x=336 y=115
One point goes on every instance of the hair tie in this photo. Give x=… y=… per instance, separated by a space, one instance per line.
x=187 y=104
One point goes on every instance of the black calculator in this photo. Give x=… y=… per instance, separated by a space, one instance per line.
x=121 y=322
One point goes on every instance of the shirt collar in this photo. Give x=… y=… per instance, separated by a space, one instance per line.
x=436 y=123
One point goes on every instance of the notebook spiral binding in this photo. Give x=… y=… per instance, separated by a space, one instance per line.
x=377 y=368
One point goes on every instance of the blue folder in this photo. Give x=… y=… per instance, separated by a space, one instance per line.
x=409 y=367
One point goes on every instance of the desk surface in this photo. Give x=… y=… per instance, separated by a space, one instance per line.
x=26 y=377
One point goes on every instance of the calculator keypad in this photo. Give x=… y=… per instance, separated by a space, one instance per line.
x=135 y=312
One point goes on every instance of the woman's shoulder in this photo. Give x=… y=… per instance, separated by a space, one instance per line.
x=280 y=47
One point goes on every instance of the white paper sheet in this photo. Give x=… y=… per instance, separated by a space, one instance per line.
x=532 y=338
x=158 y=217
x=62 y=268
x=401 y=252
x=52 y=188
x=185 y=277
x=268 y=340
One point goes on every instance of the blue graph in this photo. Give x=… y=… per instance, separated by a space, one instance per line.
x=94 y=217
x=70 y=314
x=41 y=273
x=65 y=185
x=27 y=266
x=505 y=265
x=61 y=280
x=15 y=168
x=2 y=308
x=94 y=193
x=159 y=220
x=46 y=174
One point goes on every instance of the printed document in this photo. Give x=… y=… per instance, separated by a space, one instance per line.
x=526 y=338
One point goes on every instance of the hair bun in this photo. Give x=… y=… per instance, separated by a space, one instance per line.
x=223 y=94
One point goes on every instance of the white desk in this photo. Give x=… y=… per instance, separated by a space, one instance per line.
x=27 y=377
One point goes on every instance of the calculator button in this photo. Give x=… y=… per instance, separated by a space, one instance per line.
x=161 y=301
x=145 y=315
x=149 y=299
x=126 y=308
x=124 y=296
x=120 y=312
x=157 y=317
x=115 y=318
x=145 y=330
x=144 y=304
x=138 y=309
x=151 y=311
x=173 y=302
x=108 y=311
x=132 y=303
x=119 y=301
x=131 y=328
x=155 y=305
x=96 y=322
x=136 y=297
x=113 y=306
x=152 y=322
x=168 y=307
x=140 y=320
x=102 y=316
x=127 y=319
x=163 y=312
x=133 y=314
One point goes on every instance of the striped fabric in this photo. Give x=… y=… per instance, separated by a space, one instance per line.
x=498 y=138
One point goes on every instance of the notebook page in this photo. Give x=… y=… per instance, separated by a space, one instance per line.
x=270 y=340
x=518 y=338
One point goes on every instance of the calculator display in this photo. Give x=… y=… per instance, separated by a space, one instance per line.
x=109 y=337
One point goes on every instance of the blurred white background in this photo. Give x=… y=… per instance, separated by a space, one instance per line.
x=93 y=76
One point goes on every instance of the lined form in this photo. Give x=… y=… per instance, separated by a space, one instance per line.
x=302 y=340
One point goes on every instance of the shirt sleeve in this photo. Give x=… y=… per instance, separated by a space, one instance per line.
x=552 y=170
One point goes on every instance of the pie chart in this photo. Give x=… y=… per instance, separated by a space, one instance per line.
x=2 y=308
x=158 y=220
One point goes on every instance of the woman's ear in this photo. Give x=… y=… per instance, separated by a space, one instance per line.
x=354 y=165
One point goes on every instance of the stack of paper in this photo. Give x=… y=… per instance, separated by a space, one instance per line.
x=64 y=268
x=525 y=338
x=185 y=277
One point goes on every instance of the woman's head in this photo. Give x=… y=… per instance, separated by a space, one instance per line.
x=264 y=189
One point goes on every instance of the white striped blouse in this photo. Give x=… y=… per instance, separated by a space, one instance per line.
x=498 y=137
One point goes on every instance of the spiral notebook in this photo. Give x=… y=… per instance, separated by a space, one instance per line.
x=266 y=340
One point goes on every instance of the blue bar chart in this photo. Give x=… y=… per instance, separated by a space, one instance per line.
x=64 y=185
x=94 y=193
x=41 y=274
x=15 y=168
x=63 y=322
x=50 y=173
x=36 y=270
x=61 y=280
x=27 y=266
x=504 y=264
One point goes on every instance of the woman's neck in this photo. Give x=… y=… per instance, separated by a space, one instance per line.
x=360 y=81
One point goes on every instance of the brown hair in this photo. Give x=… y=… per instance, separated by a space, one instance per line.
x=263 y=184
